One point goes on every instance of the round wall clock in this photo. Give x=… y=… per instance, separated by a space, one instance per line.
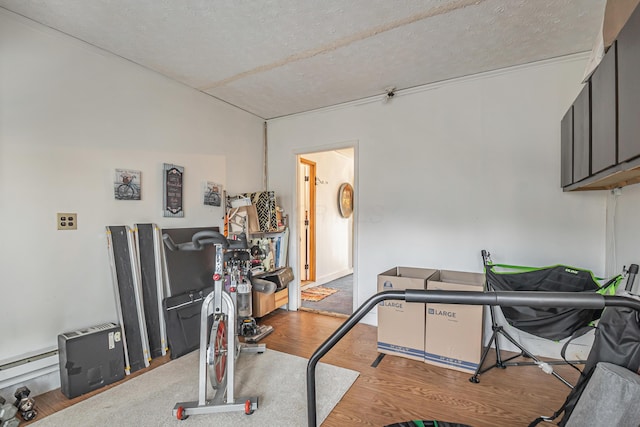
x=345 y=200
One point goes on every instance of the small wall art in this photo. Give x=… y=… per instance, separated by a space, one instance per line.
x=127 y=184
x=212 y=194
x=172 y=176
x=345 y=200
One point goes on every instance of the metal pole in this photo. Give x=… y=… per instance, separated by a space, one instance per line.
x=333 y=340
x=231 y=346
x=500 y=298
x=202 y=379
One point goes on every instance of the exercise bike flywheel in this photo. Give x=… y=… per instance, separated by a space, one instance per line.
x=217 y=352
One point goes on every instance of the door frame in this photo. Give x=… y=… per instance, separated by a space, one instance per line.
x=294 y=295
x=312 y=219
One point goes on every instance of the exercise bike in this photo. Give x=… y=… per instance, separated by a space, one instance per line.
x=219 y=345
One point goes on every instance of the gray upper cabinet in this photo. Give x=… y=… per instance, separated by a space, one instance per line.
x=582 y=134
x=629 y=89
x=604 y=130
x=566 y=148
x=600 y=142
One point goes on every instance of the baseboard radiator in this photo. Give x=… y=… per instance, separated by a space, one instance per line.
x=26 y=369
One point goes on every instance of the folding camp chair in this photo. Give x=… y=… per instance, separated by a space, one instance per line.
x=545 y=322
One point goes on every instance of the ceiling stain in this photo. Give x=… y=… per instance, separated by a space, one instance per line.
x=346 y=41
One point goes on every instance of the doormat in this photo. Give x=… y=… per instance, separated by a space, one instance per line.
x=317 y=293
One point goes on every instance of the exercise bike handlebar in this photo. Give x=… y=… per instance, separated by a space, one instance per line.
x=203 y=238
x=207 y=237
x=498 y=298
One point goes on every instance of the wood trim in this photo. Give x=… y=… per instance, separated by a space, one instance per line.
x=620 y=175
x=312 y=217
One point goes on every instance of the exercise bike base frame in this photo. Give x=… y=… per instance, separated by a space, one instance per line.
x=494 y=298
x=213 y=407
x=224 y=399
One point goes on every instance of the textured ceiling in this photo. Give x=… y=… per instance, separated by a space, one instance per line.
x=278 y=57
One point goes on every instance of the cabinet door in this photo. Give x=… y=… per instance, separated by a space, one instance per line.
x=566 y=149
x=629 y=89
x=582 y=134
x=603 y=113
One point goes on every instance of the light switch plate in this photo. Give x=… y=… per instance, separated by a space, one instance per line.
x=67 y=221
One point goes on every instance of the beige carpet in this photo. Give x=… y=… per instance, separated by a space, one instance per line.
x=278 y=379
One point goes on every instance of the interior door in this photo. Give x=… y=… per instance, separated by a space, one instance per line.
x=306 y=216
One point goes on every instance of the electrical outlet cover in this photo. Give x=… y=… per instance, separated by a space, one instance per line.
x=67 y=221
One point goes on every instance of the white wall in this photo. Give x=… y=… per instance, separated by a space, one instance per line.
x=625 y=231
x=69 y=115
x=333 y=232
x=451 y=169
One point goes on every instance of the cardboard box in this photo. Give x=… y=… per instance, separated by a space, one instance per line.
x=401 y=324
x=243 y=219
x=454 y=332
x=616 y=15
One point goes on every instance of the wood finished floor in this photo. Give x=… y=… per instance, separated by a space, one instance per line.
x=397 y=389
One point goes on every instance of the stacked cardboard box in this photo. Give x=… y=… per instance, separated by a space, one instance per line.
x=453 y=332
x=400 y=324
x=447 y=335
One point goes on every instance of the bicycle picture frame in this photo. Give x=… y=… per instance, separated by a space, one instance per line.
x=127 y=184
x=212 y=194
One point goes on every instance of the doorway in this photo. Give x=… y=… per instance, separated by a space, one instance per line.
x=326 y=232
x=307 y=217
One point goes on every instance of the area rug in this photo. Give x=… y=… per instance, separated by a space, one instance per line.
x=277 y=379
x=317 y=293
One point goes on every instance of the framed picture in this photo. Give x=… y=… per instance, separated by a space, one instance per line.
x=212 y=194
x=127 y=184
x=345 y=200
x=172 y=177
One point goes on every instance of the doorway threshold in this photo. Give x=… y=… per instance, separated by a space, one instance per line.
x=323 y=312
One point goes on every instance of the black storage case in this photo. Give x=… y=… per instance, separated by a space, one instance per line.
x=281 y=277
x=90 y=358
x=182 y=317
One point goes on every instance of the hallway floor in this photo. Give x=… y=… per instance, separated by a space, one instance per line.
x=341 y=302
